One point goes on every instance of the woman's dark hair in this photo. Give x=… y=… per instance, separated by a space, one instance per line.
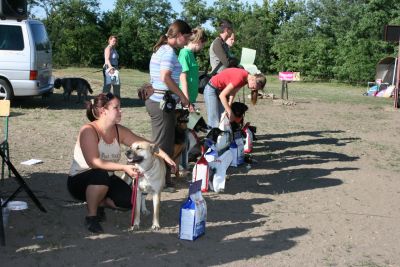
x=93 y=106
x=178 y=26
x=225 y=24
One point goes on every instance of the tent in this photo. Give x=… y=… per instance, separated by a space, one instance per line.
x=385 y=70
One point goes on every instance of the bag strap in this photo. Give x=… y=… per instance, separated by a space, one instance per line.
x=216 y=69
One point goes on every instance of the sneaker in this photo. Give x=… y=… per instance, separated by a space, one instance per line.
x=93 y=225
x=101 y=214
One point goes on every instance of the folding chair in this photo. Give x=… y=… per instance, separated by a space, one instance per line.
x=5 y=113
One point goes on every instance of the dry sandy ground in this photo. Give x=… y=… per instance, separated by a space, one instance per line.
x=325 y=191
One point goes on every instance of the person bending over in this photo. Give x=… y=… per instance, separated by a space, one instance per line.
x=222 y=88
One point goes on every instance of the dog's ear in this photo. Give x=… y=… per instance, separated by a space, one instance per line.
x=154 y=148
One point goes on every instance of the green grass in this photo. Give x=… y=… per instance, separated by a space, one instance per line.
x=326 y=92
x=298 y=91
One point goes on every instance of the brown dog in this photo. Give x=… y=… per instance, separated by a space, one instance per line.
x=182 y=118
x=153 y=169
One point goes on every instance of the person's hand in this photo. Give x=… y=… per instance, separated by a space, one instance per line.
x=131 y=170
x=191 y=108
x=185 y=102
x=171 y=163
x=230 y=115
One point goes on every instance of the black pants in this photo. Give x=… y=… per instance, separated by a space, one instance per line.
x=163 y=130
x=119 y=191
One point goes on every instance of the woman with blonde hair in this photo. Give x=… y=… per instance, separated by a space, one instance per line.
x=222 y=89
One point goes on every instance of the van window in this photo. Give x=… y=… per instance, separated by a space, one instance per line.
x=40 y=37
x=11 y=38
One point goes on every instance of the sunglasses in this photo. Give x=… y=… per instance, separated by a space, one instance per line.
x=110 y=96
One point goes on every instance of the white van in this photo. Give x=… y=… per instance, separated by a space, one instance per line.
x=25 y=59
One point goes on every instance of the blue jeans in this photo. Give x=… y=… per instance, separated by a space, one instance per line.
x=213 y=105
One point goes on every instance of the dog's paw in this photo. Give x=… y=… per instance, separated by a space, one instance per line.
x=155 y=227
x=134 y=228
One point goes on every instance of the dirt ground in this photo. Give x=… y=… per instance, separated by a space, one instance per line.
x=324 y=191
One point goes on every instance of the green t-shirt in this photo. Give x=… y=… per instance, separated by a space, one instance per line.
x=190 y=66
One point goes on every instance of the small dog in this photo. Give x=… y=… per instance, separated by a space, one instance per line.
x=238 y=109
x=153 y=169
x=80 y=85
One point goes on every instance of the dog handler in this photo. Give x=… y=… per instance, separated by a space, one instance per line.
x=96 y=156
x=222 y=88
x=110 y=67
x=165 y=71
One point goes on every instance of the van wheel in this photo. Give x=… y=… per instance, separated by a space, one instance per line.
x=5 y=90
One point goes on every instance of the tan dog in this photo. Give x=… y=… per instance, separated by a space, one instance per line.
x=153 y=169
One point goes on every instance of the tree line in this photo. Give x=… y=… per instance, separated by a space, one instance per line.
x=327 y=40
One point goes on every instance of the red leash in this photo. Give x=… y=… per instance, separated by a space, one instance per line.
x=135 y=184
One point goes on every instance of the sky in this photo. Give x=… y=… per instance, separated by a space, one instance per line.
x=176 y=5
x=106 y=5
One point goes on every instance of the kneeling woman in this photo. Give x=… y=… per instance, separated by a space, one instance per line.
x=222 y=88
x=96 y=156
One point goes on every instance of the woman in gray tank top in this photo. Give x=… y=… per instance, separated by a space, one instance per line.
x=110 y=68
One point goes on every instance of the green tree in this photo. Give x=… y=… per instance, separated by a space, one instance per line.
x=74 y=33
x=142 y=23
x=195 y=12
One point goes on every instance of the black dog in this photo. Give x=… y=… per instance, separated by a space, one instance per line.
x=238 y=109
x=81 y=86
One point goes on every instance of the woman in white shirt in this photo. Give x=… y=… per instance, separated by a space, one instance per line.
x=96 y=157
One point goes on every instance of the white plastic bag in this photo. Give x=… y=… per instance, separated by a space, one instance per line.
x=249 y=138
x=224 y=140
x=201 y=171
x=220 y=165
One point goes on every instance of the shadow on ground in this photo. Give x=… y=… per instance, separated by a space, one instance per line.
x=63 y=236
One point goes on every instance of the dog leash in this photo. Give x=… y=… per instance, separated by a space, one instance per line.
x=134 y=197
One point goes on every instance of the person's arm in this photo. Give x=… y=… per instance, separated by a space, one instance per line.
x=128 y=138
x=160 y=153
x=220 y=53
x=228 y=92
x=231 y=100
x=88 y=141
x=167 y=79
x=107 y=55
x=184 y=84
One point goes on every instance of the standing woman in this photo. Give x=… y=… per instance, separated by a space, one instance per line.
x=165 y=71
x=110 y=67
x=189 y=82
x=96 y=156
x=222 y=88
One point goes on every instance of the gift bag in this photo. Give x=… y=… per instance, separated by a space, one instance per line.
x=248 y=139
x=193 y=214
x=201 y=172
x=237 y=149
x=224 y=140
x=220 y=165
x=234 y=150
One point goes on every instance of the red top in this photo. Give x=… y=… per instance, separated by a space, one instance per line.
x=236 y=76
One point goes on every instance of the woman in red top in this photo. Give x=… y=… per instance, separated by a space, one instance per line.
x=222 y=88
